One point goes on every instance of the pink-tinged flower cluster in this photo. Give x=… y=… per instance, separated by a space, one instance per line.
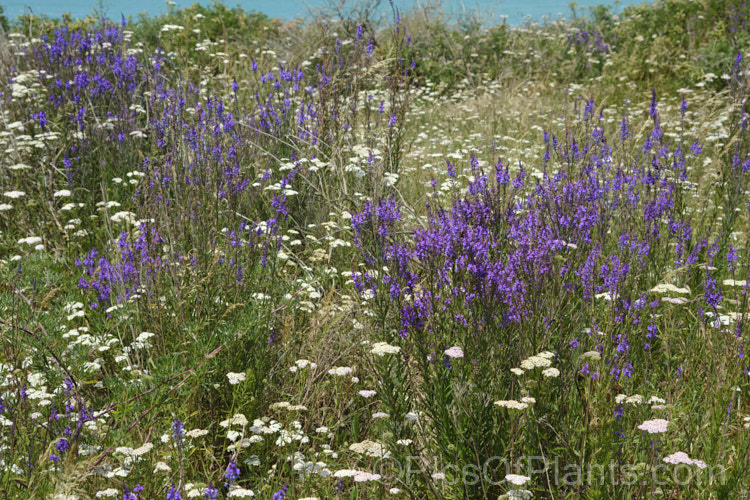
x=454 y=352
x=681 y=457
x=656 y=426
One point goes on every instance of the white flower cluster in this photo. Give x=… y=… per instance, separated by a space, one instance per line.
x=512 y=405
x=340 y=371
x=235 y=378
x=370 y=448
x=285 y=405
x=541 y=360
x=301 y=364
x=454 y=352
x=635 y=399
x=383 y=348
x=681 y=457
x=668 y=287
x=656 y=426
x=517 y=479
x=535 y=362
x=591 y=356
x=237 y=419
x=358 y=475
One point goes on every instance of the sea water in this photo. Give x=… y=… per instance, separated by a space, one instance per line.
x=513 y=12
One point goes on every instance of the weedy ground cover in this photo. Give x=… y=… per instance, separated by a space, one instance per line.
x=367 y=258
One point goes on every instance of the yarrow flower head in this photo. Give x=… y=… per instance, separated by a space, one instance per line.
x=340 y=371
x=366 y=476
x=656 y=426
x=370 y=448
x=241 y=493
x=681 y=457
x=517 y=479
x=383 y=348
x=591 y=356
x=235 y=378
x=512 y=405
x=237 y=419
x=635 y=399
x=538 y=361
x=346 y=473
x=454 y=352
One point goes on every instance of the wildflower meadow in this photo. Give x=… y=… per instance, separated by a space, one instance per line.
x=376 y=253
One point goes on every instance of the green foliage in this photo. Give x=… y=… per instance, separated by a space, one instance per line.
x=231 y=25
x=3 y=20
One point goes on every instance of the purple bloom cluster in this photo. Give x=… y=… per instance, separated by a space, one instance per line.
x=137 y=264
x=202 y=156
x=591 y=40
x=514 y=253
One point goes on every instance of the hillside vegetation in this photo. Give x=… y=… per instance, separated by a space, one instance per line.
x=359 y=257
